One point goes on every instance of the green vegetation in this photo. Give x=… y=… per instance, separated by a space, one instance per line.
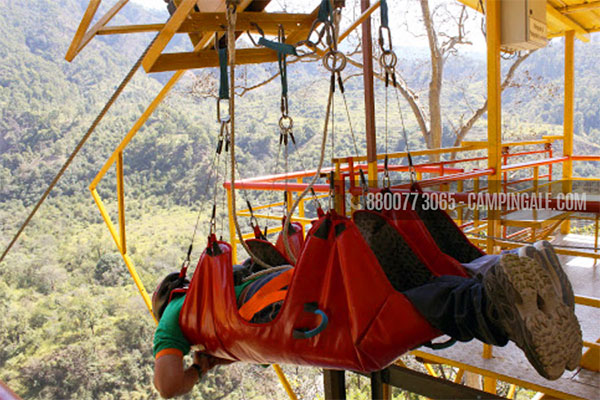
x=73 y=325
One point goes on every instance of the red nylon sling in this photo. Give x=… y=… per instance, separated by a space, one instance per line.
x=370 y=324
x=415 y=233
x=295 y=237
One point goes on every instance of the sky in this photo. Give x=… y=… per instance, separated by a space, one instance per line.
x=151 y=3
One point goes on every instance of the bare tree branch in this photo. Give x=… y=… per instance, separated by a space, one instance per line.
x=406 y=92
x=464 y=129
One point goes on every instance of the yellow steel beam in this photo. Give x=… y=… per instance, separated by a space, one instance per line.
x=494 y=133
x=284 y=382
x=568 y=117
x=459 y=375
x=232 y=233
x=591 y=358
x=88 y=16
x=509 y=144
x=111 y=227
x=126 y=259
x=489 y=383
x=338 y=199
x=136 y=127
x=170 y=28
x=118 y=30
x=121 y=201
x=587 y=301
x=511 y=391
x=569 y=24
x=372 y=173
x=100 y=24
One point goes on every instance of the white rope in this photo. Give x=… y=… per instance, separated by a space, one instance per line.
x=231 y=21
x=289 y=214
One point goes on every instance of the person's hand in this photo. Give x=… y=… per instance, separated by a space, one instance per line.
x=214 y=361
x=207 y=362
x=203 y=360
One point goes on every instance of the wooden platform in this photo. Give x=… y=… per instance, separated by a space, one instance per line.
x=509 y=363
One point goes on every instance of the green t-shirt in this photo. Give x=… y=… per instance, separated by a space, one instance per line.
x=168 y=335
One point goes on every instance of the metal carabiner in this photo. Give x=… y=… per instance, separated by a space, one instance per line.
x=312 y=30
x=260 y=32
x=388 y=61
x=285 y=109
x=386 y=180
x=286 y=123
x=329 y=30
x=382 y=41
x=386 y=174
x=213 y=221
x=331 y=60
x=331 y=190
x=281 y=34
x=220 y=118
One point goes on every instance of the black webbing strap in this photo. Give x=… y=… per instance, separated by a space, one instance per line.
x=224 y=82
x=283 y=50
x=385 y=21
x=325 y=11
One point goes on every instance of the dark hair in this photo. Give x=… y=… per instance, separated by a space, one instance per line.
x=162 y=294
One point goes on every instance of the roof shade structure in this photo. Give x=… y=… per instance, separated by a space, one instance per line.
x=583 y=17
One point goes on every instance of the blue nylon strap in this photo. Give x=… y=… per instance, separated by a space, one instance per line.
x=325 y=11
x=282 y=48
x=385 y=22
x=224 y=83
x=283 y=72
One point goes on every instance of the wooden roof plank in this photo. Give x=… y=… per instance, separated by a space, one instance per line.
x=210 y=58
x=86 y=20
x=578 y=8
x=167 y=33
x=100 y=24
x=268 y=22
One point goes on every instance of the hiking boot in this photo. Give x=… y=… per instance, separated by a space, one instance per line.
x=533 y=314
x=552 y=263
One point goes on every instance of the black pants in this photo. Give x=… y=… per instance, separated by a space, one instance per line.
x=459 y=308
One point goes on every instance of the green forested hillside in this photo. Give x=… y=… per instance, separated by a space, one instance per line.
x=73 y=325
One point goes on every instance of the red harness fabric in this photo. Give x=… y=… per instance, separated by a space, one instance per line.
x=370 y=323
x=414 y=231
x=296 y=239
